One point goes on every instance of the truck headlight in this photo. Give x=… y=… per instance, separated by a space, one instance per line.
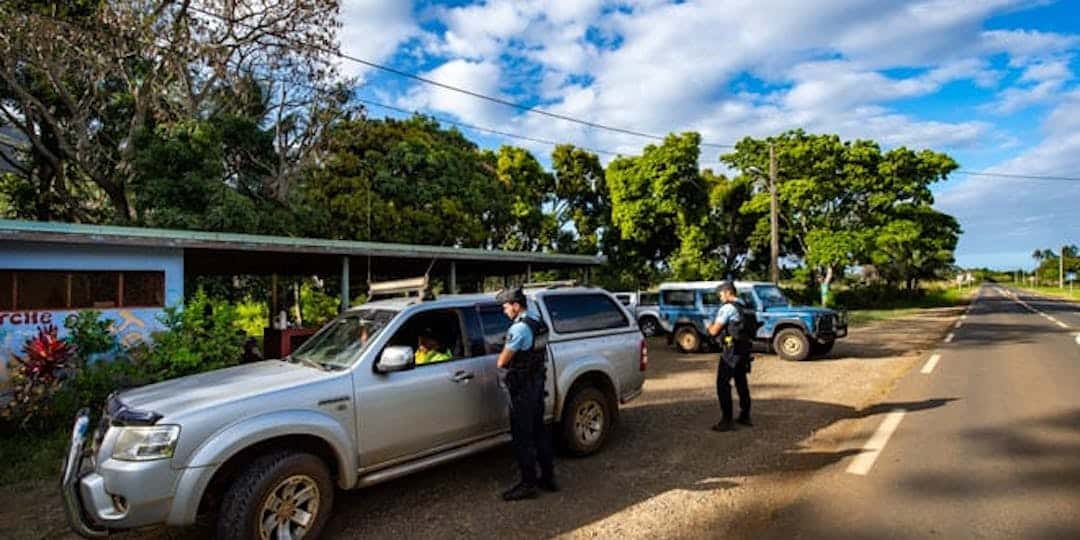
x=146 y=443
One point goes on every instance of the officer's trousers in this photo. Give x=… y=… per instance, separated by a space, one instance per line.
x=532 y=445
x=724 y=374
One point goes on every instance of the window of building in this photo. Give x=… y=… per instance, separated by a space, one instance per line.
x=144 y=289
x=94 y=290
x=7 y=290
x=41 y=290
x=50 y=289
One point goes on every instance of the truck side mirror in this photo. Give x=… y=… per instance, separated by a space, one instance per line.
x=396 y=358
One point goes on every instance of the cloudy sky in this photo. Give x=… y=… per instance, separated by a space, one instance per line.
x=991 y=82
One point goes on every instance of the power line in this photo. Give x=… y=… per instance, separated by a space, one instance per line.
x=1021 y=176
x=465 y=91
x=484 y=129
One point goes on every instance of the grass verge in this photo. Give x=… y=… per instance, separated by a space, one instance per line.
x=1055 y=292
x=934 y=298
x=31 y=456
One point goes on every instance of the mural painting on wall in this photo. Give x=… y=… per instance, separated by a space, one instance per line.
x=130 y=326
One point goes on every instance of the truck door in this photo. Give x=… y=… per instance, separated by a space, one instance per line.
x=433 y=405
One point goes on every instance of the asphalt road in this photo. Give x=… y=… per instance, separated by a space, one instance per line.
x=982 y=441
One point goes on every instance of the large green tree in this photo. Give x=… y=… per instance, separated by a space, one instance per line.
x=82 y=81
x=660 y=206
x=410 y=181
x=835 y=195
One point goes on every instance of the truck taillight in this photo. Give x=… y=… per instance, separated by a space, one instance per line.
x=643 y=360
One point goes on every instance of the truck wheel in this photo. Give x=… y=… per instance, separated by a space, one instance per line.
x=687 y=340
x=819 y=348
x=649 y=326
x=586 y=421
x=792 y=344
x=279 y=495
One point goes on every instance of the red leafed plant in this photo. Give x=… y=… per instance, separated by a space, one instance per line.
x=46 y=355
x=35 y=378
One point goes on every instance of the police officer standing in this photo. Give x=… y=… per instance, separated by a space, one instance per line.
x=735 y=344
x=526 y=368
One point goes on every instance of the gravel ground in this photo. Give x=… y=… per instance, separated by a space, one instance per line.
x=663 y=474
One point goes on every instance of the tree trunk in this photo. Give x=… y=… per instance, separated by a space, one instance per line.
x=825 y=285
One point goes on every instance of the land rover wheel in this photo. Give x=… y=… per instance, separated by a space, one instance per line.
x=586 y=421
x=279 y=495
x=687 y=340
x=792 y=344
x=649 y=326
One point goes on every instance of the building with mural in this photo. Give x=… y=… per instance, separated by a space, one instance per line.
x=49 y=271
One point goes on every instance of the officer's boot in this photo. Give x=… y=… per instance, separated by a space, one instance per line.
x=520 y=492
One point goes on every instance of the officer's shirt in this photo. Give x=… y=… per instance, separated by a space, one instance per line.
x=519 y=337
x=727 y=313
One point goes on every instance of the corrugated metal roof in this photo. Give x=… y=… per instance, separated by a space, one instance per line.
x=40 y=231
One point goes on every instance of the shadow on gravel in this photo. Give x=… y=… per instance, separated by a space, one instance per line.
x=657 y=448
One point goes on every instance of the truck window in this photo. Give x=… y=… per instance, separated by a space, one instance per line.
x=677 y=298
x=439 y=329
x=624 y=299
x=771 y=296
x=649 y=299
x=710 y=298
x=495 y=324
x=584 y=312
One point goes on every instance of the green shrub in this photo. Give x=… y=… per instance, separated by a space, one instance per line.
x=91 y=335
x=202 y=336
x=252 y=317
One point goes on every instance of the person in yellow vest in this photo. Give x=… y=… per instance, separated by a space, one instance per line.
x=429 y=350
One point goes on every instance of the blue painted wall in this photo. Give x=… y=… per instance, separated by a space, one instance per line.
x=130 y=324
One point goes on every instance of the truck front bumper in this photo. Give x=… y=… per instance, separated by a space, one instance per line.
x=112 y=494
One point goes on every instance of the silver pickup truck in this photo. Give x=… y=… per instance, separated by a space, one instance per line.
x=263 y=446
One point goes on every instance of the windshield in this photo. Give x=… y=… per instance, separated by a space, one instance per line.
x=340 y=343
x=771 y=296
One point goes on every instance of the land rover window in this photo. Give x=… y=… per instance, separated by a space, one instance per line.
x=572 y=313
x=677 y=298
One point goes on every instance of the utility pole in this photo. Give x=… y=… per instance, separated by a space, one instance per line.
x=1061 y=269
x=774 y=226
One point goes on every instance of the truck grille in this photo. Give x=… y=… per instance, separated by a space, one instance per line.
x=827 y=323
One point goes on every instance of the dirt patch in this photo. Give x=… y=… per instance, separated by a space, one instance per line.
x=664 y=474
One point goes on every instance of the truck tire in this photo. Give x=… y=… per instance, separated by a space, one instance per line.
x=586 y=421
x=819 y=348
x=282 y=489
x=687 y=340
x=649 y=326
x=792 y=344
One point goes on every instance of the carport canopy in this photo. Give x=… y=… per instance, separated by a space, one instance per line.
x=213 y=253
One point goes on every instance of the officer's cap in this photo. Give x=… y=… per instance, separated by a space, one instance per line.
x=726 y=286
x=512 y=295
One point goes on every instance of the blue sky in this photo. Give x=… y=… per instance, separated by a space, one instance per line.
x=993 y=83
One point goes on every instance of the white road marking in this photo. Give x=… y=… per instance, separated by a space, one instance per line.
x=963 y=317
x=929 y=367
x=959 y=324
x=863 y=462
x=1078 y=339
x=949 y=338
x=1061 y=324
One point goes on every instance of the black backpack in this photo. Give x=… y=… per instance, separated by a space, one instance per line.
x=744 y=330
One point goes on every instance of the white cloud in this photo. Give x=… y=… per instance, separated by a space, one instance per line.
x=483 y=77
x=1012 y=214
x=373 y=30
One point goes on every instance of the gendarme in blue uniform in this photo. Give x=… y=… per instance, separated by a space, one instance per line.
x=519 y=337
